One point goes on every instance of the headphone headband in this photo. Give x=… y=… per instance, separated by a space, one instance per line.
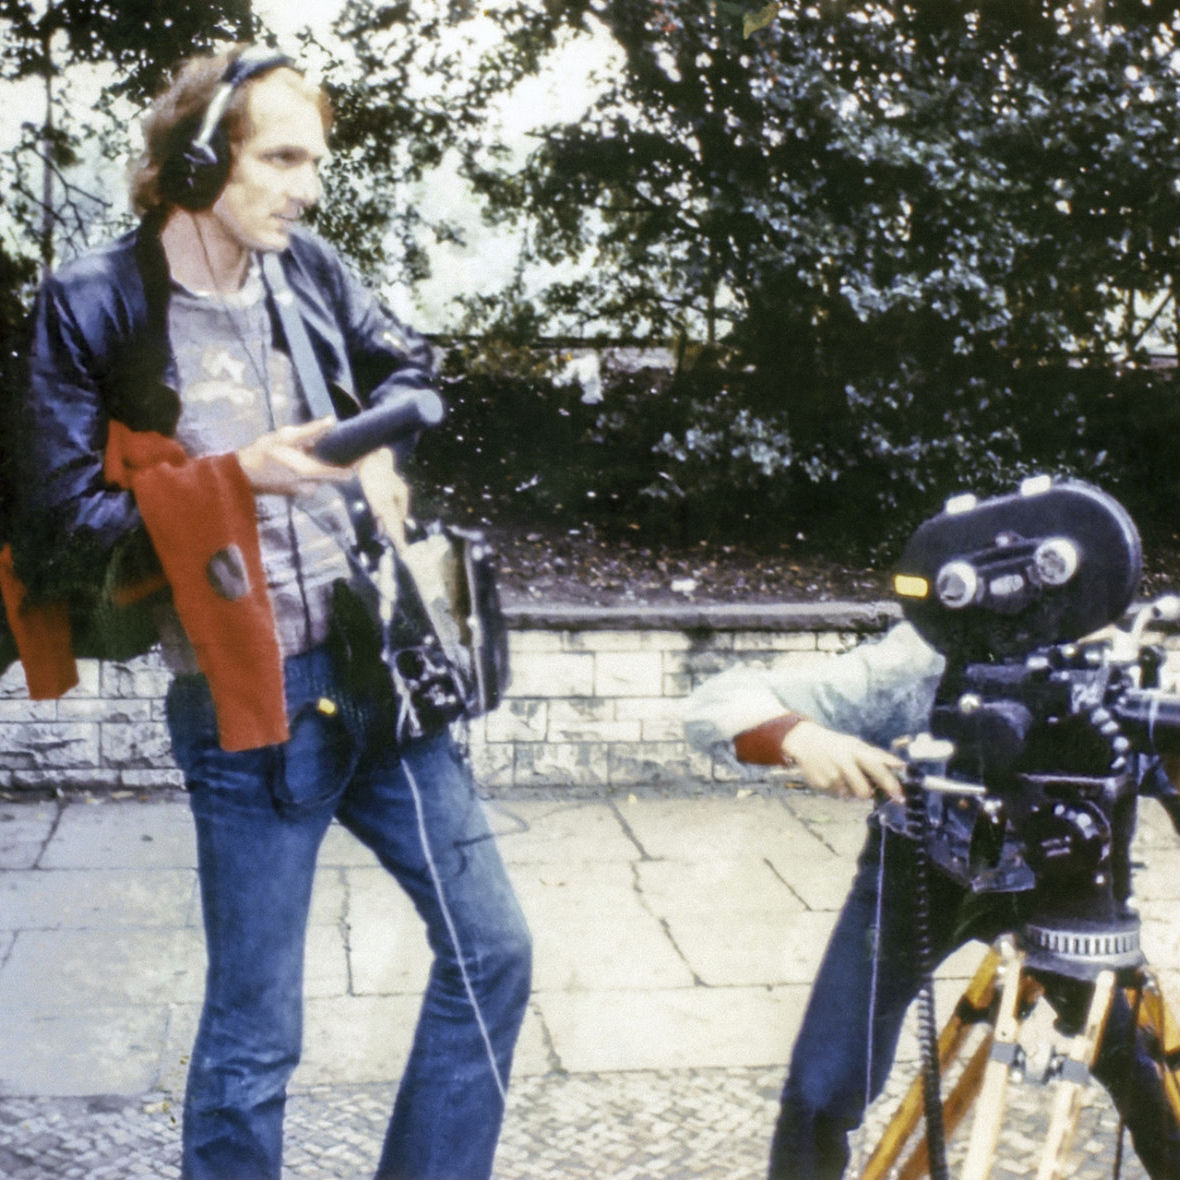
x=194 y=176
x=253 y=60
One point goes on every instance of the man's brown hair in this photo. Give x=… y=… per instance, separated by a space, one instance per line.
x=176 y=115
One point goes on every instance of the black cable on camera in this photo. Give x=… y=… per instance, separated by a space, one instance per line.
x=916 y=823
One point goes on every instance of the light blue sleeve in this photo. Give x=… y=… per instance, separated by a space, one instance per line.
x=879 y=690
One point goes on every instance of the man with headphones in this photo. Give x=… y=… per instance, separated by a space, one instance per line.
x=175 y=394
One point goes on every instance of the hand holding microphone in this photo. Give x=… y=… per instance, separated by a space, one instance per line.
x=293 y=459
x=382 y=426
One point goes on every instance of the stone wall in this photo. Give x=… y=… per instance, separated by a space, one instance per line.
x=595 y=700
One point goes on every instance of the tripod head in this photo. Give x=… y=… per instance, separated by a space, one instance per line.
x=1054 y=730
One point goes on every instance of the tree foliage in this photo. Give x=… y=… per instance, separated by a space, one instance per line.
x=414 y=87
x=74 y=68
x=88 y=63
x=907 y=225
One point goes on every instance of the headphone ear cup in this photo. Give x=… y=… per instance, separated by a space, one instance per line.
x=200 y=174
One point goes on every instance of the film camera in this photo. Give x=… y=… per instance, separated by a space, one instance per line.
x=1049 y=722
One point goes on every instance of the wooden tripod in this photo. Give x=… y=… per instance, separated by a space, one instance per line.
x=999 y=996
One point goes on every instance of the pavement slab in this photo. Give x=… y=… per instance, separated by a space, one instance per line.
x=24 y=830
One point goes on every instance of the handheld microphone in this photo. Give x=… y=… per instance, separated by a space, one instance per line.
x=382 y=426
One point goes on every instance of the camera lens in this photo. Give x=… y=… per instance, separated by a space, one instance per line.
x=957 y=584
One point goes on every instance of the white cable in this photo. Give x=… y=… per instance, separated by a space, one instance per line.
x=878 y=913
x=501 y=1086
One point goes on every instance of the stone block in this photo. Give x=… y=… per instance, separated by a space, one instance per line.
x=746 y=641
x=528 y=643
x=143 y=677
x=594 y=934
x=836 y=640
x=628 y=674
x=493 y=763
x=12 y=682
x=158 y=778
x=136 y=747
x=568 y=763
x=20 y=711
x=594 y=731
x=582 y=711
x=634 y=640
x=517 y=721
x=632 y=763
x=128 y=711
x=555 y=674
x=698 y=664
x=43 y=745
x=736 y=889
x=325 y=966
x=356 y=1040
x=723 y=770
x=89 y=778
x=89 y=679
x=659 y=717
x=711 y=641
x=754 y=826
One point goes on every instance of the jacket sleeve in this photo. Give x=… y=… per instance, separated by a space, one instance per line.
x=388 y=355
x=385 y=355
x=879 y=690
x=67 y=520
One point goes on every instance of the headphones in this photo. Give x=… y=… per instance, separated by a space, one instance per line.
x=193 y=177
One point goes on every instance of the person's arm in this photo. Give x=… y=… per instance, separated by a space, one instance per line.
x=828 y=760
x=387 y=358
x=385 y=355
x=831 y=717
x=68 y=519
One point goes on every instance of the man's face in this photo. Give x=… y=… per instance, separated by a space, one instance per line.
x=275 y=172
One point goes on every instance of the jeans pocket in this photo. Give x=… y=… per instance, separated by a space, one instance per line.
x=317 y=760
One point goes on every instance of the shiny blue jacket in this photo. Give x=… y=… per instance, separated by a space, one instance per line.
x=99 y=351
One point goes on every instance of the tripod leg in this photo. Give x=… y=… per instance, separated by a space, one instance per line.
x=954 y=1108
x=975 y=1000
x=985 y=1131
x=1157 y=1020
x=965 y=1091
x=1074 y=1080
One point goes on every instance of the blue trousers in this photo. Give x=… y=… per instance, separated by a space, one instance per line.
x=260 y=818
x=824 y=1097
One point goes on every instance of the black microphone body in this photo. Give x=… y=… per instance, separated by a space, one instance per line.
x=382 y=426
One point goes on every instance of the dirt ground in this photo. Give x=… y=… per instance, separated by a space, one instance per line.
x=578 y=566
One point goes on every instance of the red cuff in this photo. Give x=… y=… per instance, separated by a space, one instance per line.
x=763 y=745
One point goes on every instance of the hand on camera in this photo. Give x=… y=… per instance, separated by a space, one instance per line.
x=842 y=764
x=281 y=463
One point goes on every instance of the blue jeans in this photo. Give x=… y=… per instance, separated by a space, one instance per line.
x=260 y=817
x=824 y=1097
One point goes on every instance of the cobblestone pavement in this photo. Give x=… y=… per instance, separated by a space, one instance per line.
x=705 y=1124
